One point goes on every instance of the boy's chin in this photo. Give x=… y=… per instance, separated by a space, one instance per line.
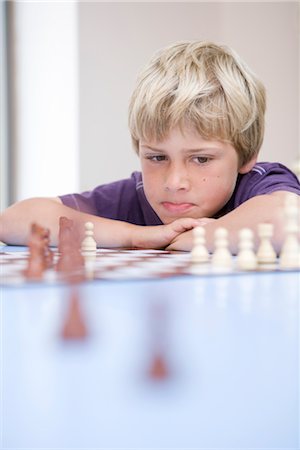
x=166 y=219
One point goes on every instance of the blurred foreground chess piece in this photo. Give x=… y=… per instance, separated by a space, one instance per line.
x=222 y=257
x=65 y=233
x=40 y=255
x=266 y=254
x=70 y=262
x=199 y=253
x=246 y=258
x=89 y=250
x=74 y=326
x=48 y=253
x=89 y=245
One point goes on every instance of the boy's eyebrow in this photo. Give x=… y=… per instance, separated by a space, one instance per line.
x=186 y=150
x=202 y=149
x=151 y=148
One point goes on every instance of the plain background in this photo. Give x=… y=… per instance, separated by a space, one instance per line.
x=72 y=68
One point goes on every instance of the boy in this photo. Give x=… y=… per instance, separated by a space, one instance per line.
x=196 y=119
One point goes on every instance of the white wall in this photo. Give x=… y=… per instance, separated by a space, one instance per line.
x=46 y=99
x=117 y=39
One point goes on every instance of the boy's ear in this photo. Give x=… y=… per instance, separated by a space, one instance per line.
x=248 y=165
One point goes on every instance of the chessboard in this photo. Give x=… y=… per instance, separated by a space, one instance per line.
x=119 y=264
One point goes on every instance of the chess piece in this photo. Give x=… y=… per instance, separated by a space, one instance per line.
x=290 y=253
x=89 y=264
x=199 y=253
x=70 y=262
x=246 y=258
x=36 y=263
x=89 y=245
x=222 y=257
x=265 y=253
x=48 y=253
x=64 y=233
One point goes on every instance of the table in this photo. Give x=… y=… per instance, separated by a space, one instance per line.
x=232 y=346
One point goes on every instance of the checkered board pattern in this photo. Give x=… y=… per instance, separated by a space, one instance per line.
x=118 y=264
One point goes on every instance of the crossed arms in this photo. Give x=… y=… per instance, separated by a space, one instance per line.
x=15 y=224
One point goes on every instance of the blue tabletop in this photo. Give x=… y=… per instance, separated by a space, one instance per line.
x=231 y=345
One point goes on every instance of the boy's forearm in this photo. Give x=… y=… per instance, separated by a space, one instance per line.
x=259 y=209
x=263 y=208
x=16 y=220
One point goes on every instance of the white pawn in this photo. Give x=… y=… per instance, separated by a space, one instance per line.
x=222 y=256
x=89 y=263
x=290 y=252
x=246 y=258
x=89 y=244
x=199 y=252
x=265 y=253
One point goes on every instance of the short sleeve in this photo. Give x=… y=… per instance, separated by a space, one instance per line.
x=121 y=200
x=110 y=200
x=264 y=178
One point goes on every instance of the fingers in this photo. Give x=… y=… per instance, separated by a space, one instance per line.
x=187 y=223
x=184 y=224
x=204 y=221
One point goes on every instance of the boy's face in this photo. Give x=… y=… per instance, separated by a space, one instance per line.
x=188 y=176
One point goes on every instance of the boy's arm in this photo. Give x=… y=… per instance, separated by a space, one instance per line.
x=16 y=220
x=262 y=208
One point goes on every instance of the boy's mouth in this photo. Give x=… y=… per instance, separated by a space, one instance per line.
x=177 y=207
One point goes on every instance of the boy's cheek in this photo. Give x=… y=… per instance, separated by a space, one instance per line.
x=152 y=186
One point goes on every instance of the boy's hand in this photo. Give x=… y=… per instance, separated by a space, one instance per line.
x=160 y=236
x=184 y=241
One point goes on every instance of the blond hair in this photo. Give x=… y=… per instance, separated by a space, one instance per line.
x=203 y=85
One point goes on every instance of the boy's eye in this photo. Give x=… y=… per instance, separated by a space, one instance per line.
x=202 y=159
x=156 y=158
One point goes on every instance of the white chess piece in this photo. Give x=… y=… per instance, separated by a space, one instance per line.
x=199 y=253
x=89 y=264
x=89 y=244
x=221 y=257
x=266 y=253
x=246 y=258
x=290 y=252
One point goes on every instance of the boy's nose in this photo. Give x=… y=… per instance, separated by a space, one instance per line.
x=176 y=179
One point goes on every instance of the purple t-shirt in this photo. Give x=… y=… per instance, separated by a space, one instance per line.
x=125 y=199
